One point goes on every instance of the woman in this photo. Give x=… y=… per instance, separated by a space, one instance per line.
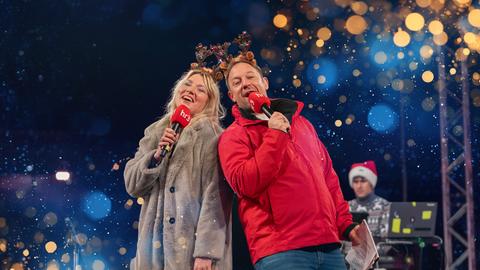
x=185 y=218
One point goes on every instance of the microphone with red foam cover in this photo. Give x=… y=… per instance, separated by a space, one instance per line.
x=260 y=103
x=179 y=120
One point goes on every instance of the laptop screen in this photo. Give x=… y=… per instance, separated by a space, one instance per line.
x=412 y=219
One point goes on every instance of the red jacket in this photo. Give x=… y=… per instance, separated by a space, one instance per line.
x=289 y=195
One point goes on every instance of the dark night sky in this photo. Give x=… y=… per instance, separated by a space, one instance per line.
x=80 y=80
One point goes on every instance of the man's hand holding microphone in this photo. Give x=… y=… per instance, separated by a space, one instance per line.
x=261 y=104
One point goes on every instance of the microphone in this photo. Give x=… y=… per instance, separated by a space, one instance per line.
x=260 y=103
x=180 y=119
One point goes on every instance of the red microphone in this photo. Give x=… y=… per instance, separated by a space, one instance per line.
x=260 y=103
x=180 y=119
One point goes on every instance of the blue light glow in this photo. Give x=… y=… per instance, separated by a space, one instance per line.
x=382 y=119
x=322 y=74
x=96 y=205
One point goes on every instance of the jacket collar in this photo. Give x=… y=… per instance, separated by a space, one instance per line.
x=290 y=108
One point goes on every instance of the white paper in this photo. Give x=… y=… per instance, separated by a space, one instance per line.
x=364 y=255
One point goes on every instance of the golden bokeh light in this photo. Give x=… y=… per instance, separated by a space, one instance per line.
x=324 y=33
x=81 y=239
x=453 y=71
x=321 y=79
x=140 y=201
x=435 y=27
x=359 y=7
x=462 y=3
x=338 y=123
x=413 y=66
x=297 y=83
x=51 y=247
x=53 y=265
x=440 y=39
x=469 y=38
x=98 y=265
x=423 y=3
x=65 y=258
x=16 y=266
x=380 y=57
x=437 y=5
x=428 y=76
x=356 y=24
x=414 y=21
x=474 y=17
x=3 y=245
x=280 y=20
x=122 y=251
x=26 y=252
x=319 y=43
x=401 y=38
x=426 y=51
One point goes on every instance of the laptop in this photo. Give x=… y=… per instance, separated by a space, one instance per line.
x=412 y=219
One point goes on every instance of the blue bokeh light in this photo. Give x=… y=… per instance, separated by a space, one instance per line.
x=96 y=205
x=322 y=74
x=383 y=53
x=382 y=118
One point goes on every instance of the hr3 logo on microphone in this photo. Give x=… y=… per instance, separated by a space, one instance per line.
x=185 y=115
x=252 y=102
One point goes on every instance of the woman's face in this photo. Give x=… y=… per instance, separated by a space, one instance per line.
x=193 y=94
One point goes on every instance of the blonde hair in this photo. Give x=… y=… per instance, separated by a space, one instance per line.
x=213 y=110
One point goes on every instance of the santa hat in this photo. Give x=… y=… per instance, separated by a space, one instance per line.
x=366 y=169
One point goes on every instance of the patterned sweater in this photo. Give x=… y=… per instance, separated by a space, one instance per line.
x=378 y=212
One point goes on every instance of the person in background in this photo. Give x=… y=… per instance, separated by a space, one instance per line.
x=363 y=179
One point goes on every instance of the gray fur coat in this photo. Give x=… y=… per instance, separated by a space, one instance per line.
x=187 y=203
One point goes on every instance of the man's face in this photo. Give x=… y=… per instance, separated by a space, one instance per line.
x=242 y=80
x=362 y=187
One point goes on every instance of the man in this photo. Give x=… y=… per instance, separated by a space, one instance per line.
x=363 y=179
x=289 y=199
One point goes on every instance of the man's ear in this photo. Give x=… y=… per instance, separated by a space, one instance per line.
x=265 y=81
x=230 y=95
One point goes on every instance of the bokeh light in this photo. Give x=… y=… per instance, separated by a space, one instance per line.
x=51 y=247
x=401 y=38
x=324 y=34
x=96 y=205
x=427 y=76
x=435 y=27
x=322 y=74
x=382 y=118
x=280 y=21
x=414 y=21
x=474 y=17
x=440 y=39
x=62 y=176
x=359 y=7
x=356 y=24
